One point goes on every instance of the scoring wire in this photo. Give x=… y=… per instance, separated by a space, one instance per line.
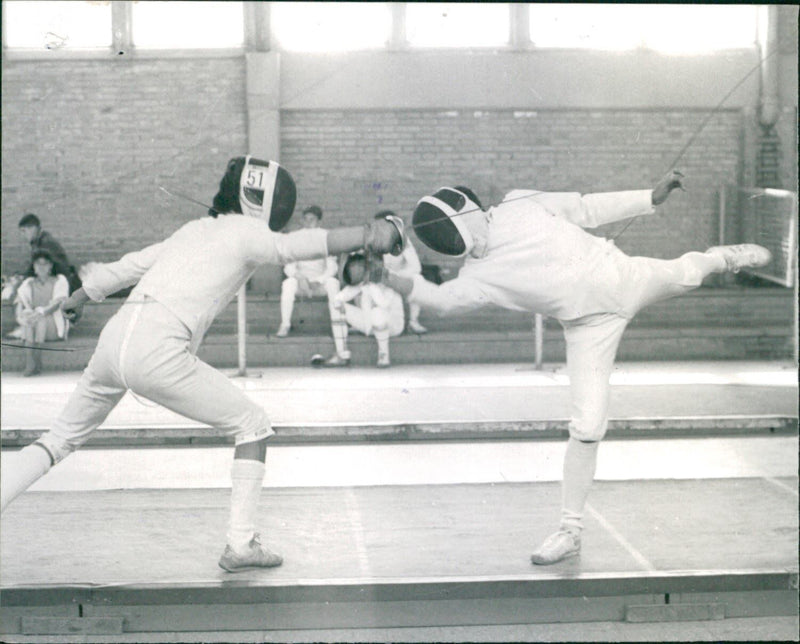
x=679 y=156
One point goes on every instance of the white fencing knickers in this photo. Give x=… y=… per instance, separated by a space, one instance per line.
x=592 y=341
x=146 y=349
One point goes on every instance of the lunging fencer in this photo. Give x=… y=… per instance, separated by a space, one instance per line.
x=149 y=346
x=530 y=253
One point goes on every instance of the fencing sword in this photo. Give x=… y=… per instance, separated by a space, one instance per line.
x=40 y=347
x=706 y=121
x=677 y=158
x=172 y=193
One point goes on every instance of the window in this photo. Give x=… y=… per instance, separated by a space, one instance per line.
x=433 y=24
x=329 y=26
x=696 y=28
x=190 y=25
x=41 y=25
x=57 y=25
x=688 y=28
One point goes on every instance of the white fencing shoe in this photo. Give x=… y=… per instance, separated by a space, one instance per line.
x=557 y=547
x=254 y=557
x=741 y=256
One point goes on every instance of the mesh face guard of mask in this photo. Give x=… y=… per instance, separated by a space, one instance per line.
x=438 y=223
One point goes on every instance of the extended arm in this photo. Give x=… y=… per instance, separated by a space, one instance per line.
x=380 y=236
x=73 y=305
x=104 y=279
x=596 y=209
x=455 y=297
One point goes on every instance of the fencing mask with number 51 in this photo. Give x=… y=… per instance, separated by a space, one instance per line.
x=256 y=188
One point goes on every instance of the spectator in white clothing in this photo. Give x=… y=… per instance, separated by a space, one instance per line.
x=307 y=278
x=408 y=265
x=38 y=311
x=378 y=310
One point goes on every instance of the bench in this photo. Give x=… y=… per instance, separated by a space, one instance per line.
x=707 y=324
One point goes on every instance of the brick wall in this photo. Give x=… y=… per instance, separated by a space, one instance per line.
x=354 y=163
x=86 y=145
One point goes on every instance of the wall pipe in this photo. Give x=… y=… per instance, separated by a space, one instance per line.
x=769 y=101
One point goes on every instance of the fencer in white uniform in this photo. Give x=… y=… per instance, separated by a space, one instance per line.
x=530 y=253
x=149 y=346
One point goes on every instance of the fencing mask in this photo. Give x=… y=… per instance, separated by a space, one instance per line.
x=439 y=224
x=256 y=188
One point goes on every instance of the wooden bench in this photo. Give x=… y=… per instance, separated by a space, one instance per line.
x=707 y=324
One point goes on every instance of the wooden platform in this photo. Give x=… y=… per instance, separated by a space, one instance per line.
x=137 y=561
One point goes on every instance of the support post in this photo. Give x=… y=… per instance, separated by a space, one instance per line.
x=793 y=247
x=241 y=328
x=538 y=339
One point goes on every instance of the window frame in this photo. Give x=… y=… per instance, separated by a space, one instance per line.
x=258 y=37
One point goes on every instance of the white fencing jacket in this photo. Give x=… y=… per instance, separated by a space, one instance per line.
x=540 y=259
x=196 y=272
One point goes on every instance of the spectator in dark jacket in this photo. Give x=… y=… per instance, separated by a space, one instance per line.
x=40 y=240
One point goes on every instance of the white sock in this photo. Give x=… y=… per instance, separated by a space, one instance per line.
x=31 y=464
x=580 y=462
x=339 y=330
x=287 y=305
x=382 y=338
x=247 y=479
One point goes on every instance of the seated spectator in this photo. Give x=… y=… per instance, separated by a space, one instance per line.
x=10 y=286
x=378 y=310
x=31 y=229
x=307 y=278
x=408 y=265
x=38 y=309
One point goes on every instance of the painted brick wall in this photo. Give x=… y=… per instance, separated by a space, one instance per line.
x=86 y=145
x=354 y=163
